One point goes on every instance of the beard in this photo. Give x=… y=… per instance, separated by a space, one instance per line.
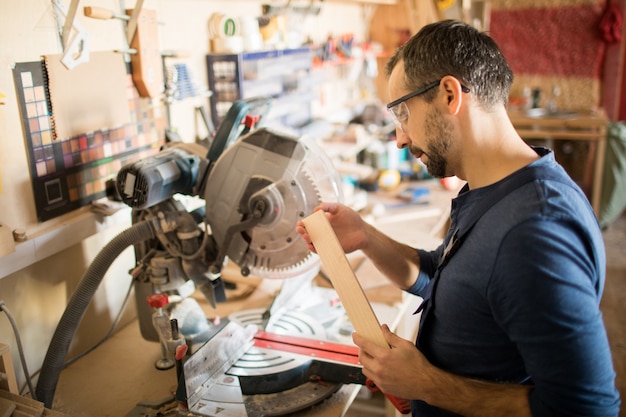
x=438 y=139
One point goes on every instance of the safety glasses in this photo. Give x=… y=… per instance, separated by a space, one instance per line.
x=400 y=111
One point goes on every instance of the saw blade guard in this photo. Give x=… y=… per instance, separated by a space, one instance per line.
x=258 y=190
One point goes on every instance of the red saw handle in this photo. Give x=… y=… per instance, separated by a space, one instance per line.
x=402 y=405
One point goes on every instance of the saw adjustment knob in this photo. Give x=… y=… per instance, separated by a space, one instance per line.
x=159 y=300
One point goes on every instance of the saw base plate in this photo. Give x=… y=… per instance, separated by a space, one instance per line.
x=314 y=318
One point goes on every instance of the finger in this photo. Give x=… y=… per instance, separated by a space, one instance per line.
x=371 y=348
x=392 y=339
x=364 y=357
x=327 y=207
x=301 y=230
x=387 y=332
x=362 y=344
x=322 y=207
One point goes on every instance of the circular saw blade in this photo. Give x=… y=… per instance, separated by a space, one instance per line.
x=275 y=249
x=273 y=174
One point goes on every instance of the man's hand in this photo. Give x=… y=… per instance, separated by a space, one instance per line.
x=347 y=224
x=394 y=370
x=403 y=371
x=397 y=261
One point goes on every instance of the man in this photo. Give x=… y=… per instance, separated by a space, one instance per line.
x=511 y=324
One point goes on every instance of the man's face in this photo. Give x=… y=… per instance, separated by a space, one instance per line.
x=425 y=132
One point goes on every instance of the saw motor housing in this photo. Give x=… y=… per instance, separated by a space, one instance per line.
x=255 y=190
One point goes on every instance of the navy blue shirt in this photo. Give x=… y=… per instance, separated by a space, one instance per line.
x=518 y=302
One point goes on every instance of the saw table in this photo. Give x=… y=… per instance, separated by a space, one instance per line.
x=119 y=375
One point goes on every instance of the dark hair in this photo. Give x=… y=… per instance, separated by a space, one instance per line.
x=451 y=47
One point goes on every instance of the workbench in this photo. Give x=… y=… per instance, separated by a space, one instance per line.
x=115 y=377
x=590 y=126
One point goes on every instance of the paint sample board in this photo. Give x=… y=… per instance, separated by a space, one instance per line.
x=70 y=170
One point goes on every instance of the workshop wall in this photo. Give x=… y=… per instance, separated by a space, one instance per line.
x=37 y=294
x=558 y=52
x=554 y=44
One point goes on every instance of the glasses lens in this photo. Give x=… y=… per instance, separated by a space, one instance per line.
x=399 y=113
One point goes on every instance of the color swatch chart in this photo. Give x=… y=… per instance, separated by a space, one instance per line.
x=69 y=173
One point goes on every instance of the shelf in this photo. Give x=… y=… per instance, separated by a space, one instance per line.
x=281 y=74
x=73 y=229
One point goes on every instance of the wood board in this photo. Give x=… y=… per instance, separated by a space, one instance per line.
x=6 y=367
x=342 y=277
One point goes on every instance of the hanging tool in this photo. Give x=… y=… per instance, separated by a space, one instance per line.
x=207 y=122
x=106 y=14
x=76 y=47
x=102 y=13
x=69 y=22
x=131 y=28
x=147 y=68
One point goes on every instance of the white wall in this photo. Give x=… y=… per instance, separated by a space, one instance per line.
x=36 y=295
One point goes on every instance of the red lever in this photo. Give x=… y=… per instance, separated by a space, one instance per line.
x=249 y=121
x=402 y=405
x=159 y=300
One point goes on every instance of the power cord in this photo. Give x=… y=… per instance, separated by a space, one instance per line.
x=27 y=375
x=18 y=340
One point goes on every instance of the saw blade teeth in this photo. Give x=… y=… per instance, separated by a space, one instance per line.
x=308 y=263
x=318 y=194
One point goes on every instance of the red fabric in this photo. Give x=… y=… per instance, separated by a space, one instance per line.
x=561 y=41
x=611 y=24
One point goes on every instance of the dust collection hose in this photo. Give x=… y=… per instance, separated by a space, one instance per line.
x=73 y=314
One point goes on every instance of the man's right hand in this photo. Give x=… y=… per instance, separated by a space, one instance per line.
x=347 y=224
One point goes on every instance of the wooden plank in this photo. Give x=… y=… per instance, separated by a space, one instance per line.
x=342 y=277
x=146 y=64
x=7 y=244
x=24 y=406
x=6 y=367
x=131 y=25
x=69 y=22
x=561 y=134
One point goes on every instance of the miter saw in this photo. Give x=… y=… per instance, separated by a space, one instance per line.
x=253 y=185
x=256 y=185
